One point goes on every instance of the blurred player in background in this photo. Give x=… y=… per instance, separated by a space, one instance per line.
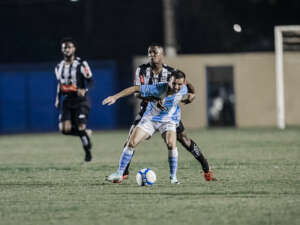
x=156 y=72
x=162 y=113
x=73 y=76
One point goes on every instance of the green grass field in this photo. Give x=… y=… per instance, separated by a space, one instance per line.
x=43 y=180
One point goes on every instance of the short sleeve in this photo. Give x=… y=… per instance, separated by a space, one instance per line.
x=139 y=78
x=85 y=70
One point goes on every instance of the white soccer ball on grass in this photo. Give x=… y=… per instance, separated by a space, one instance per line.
x=145 y=177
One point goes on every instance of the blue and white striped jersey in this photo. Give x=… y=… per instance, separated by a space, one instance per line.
x=171 y=102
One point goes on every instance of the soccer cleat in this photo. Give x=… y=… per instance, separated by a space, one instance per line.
x=115 y=178
x=209 y=176
x=174 y=180
x=125 y=176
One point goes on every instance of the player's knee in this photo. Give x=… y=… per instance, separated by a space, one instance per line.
x=81 y=127
x=132 y=143
x=181 y=136
x=67 y=129
x=183 y=139
x=171 y=145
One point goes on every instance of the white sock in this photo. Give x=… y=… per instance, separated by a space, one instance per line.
x=125 y=159
x=173 y=162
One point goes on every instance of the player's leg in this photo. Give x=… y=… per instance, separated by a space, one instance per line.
x=168 y=131
x=133 y=126
x=140 y=133
x=66 y=125
x=81 y=117
x=193 y=148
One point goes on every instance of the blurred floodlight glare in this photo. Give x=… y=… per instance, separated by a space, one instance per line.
x=74 y=0
x=237 y=28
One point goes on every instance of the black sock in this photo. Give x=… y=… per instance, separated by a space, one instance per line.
x=126 y=171
x=86 y=143
x=194 y=149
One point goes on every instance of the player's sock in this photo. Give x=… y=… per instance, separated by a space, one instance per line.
x=87 y=145
x=125 y=159
x=194 y=149
x=126 y=171
x=173 y=161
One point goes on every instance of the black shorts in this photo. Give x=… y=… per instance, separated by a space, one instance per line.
x=180 y=127
x=77 y=113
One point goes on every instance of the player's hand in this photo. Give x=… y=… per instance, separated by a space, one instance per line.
x=57 y=103
x=189 y=98
x=109 y=100
x=161 y=106
x=81 y=92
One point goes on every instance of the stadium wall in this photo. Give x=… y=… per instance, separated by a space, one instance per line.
x=254 y=84
x=27 y=95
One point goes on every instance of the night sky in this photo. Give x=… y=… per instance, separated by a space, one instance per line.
x=119 y=29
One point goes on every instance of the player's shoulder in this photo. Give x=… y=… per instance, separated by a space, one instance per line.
x=169 y=68
x=144 y=66
x=184 y=90
x=59 y=63
x=80 y=60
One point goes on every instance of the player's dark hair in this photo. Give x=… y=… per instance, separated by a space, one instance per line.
x=68 y=39
x=178 y=74
x=156 y=45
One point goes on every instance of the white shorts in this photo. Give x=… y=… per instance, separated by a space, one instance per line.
x=150 y=126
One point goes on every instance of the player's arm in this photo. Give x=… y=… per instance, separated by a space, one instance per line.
x=128 y=91
x=58 y=90
x=87 y=74
x=139 y=80
x=58 y=96
x=190 y=96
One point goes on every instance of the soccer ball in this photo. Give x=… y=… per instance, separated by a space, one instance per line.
x=145 y=177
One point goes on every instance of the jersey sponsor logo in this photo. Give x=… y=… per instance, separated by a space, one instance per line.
x=81 y=116
x=68 y=88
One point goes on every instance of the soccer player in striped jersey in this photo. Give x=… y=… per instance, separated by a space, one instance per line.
x=73 y=76
x=155 y=72
x=162 y=114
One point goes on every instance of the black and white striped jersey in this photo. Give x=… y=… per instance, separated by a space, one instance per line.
x=145 y=75
x=72 y=76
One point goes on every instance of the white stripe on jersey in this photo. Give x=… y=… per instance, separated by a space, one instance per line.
x=137 y=80
x=165 y=73
x=146 y=74
x=68 y=75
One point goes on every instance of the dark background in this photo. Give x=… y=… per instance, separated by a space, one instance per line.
x=120 y=29
x=110 y=33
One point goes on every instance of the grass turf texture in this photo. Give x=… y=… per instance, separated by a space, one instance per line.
x=43 y=180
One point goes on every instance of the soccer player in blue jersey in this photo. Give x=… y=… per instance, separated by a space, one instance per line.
x=162 y=115
x=154 y=72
